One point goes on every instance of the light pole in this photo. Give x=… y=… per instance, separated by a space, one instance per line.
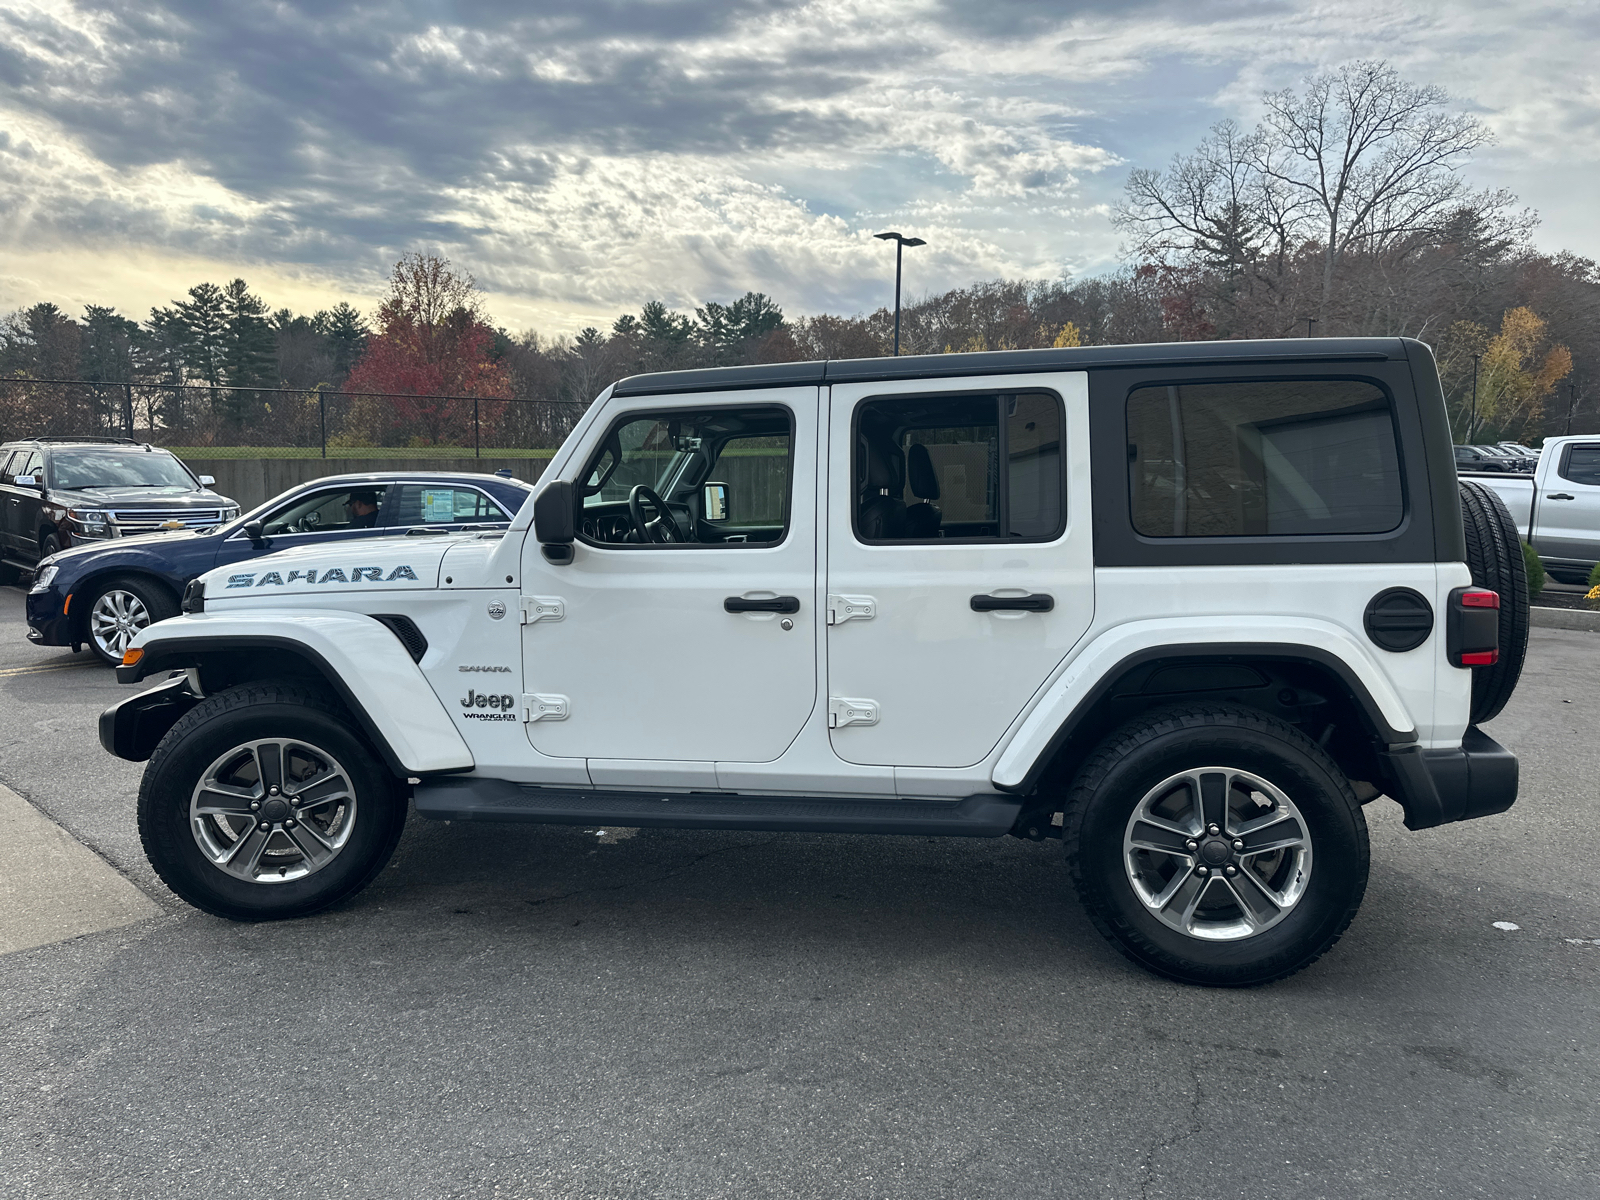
x=900 y=244
x=1472 y=421
x=1310 y=321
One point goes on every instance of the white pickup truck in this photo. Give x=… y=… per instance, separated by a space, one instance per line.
x=1557 y=509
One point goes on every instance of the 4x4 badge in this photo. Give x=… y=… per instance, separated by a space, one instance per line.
x=497 y=610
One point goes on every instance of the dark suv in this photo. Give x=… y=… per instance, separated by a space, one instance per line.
x=60 y=492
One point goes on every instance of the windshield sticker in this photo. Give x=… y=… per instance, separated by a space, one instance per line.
x=333 y=575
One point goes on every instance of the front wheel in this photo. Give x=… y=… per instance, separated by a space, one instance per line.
x=119 y=610
x=1216 y=845
x=261 y=803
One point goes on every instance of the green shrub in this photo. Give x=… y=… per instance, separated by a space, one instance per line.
x=1535 y=570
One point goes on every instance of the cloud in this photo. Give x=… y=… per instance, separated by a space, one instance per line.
x=582 y=155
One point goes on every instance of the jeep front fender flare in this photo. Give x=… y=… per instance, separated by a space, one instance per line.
x=1092 y=673
x=359 y=658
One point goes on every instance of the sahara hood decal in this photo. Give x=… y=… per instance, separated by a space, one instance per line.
x=327 y=575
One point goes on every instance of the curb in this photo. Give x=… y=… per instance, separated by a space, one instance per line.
x=1564 y=618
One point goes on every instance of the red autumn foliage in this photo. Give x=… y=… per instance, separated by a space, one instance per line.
x=430 y=345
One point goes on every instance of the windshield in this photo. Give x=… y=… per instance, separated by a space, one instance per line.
x=119 y=468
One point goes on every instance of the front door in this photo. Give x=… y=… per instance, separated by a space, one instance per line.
x=683 y=631
x=310 y=518
x=960 y=566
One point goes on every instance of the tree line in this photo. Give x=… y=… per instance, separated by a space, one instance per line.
x=1343 y=212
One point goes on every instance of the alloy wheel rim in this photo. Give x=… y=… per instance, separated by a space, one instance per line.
x=272 y=811
x=1217 y=853
x=115 y=620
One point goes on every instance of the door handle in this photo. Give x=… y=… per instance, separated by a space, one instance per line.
x=773 y=604
x=1038 y=602
x=1561 y=496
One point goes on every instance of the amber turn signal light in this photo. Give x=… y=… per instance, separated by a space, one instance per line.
x=129 y=657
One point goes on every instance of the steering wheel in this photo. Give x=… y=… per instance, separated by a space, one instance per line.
x=663 y=528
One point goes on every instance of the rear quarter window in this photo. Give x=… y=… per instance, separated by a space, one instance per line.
x=1291 y=458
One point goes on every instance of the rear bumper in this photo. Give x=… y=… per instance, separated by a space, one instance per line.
x=1437 y=787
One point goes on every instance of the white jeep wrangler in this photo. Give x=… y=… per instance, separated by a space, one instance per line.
x=1185 y=607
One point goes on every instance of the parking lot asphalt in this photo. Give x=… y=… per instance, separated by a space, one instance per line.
x=520 y=1011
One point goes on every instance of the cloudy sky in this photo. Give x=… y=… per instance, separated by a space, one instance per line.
x=581 y=156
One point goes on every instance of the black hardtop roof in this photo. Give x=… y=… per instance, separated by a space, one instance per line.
x=1008 y=362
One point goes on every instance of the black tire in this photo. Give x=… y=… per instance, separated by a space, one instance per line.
x=1132 y=764
x=1494 y=556
x=150 y=599
x=235 y=718
x=50 y=545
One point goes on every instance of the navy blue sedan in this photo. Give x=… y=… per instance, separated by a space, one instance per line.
x=102 y=594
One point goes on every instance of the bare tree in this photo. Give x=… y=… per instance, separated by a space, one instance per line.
x=1361 y=162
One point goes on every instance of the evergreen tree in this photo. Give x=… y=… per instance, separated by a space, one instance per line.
x=248 y=344
x=205 y=324
x=106 y=352
x=347 y=332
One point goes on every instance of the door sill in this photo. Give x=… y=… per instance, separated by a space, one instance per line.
x=457 y=799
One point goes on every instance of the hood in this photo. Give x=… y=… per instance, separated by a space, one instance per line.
x=164 y=537
x=331 y=570
x=140 y=497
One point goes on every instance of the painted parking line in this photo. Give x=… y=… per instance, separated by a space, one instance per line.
x=52 y=886
x=43 y=668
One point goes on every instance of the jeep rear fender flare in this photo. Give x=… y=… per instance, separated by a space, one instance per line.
x=364 y=664
x=1097 y=668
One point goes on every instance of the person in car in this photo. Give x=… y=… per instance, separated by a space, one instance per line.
x=363 y=509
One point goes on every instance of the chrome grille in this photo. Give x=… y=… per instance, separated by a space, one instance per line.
x=150 y=520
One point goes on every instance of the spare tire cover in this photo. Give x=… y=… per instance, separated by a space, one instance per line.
x=1494 y=556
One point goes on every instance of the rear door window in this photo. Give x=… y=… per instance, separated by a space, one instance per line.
x=966 y=467
x=1582 y=465
x=1290 y=458
x=444 y=504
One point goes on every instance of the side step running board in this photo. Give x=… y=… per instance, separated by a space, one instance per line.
x=456 y=799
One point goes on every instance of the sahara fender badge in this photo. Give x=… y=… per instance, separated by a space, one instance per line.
x=497 y=610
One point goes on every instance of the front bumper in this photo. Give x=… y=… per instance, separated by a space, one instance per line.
x=132 y=728
x=48 y=625
x=1438 y=787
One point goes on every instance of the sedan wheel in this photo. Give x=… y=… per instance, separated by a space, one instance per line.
x=115 y=620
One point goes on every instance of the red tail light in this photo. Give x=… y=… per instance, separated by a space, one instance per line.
x=1472 y=634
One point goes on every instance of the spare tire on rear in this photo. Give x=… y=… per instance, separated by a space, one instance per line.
x=1494 y=556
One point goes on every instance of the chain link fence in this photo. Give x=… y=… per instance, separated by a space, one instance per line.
x=200 y=420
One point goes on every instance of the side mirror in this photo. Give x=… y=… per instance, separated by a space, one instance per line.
x=553 y=525
x=207 y=480
x=254 y=532
x=714 y=501
x=29 y=481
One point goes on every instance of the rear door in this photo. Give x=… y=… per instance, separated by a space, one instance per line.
x=1569 y=505
x=960 y=561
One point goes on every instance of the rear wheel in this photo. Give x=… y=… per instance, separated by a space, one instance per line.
x=1216 y=845
x=261 y=803
x=119 y=609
